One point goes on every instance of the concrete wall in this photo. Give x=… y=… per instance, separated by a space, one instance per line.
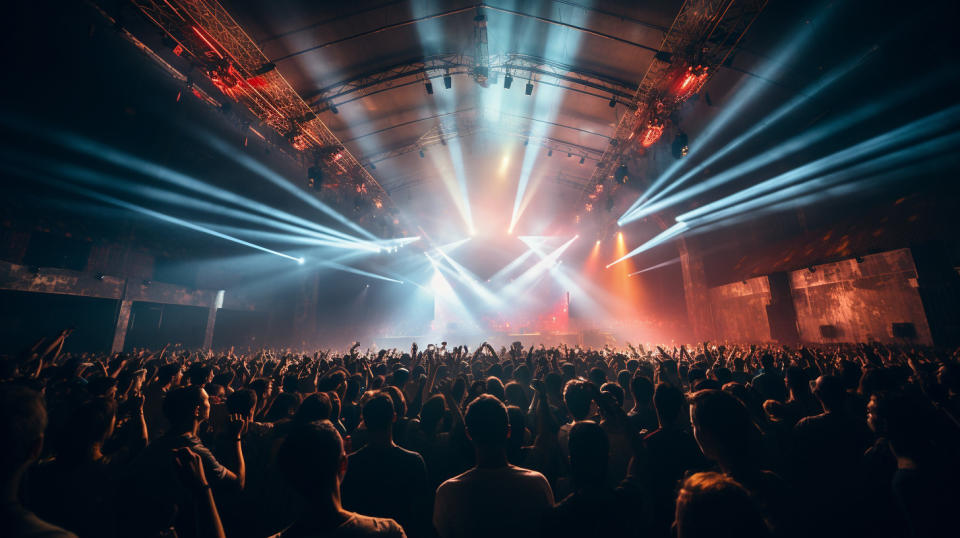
x=861 y=300
x=740 y=310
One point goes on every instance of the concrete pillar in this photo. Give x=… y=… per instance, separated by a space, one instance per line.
x=120 y=328
x=695 y=293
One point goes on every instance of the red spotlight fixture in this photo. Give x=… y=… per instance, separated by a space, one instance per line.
x=652 y=133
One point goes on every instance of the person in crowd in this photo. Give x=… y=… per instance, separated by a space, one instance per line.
x=385 y=480
x=312 y=459
x=494 y=498
x=23 y=419
x=713 y=505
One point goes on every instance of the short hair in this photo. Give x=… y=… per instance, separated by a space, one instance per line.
x=514 y=395
x=314 y=407
x=179 y=404
x=494 y=387
x=378 y=412
x=577 y=396
x=589 y=452
x=830 y=391
x=667 y=401
x=642 y=389
x=242 y=402
x=167 y=372
x=23 y=419
x=487 y=421
x=615 y=390
x=284 y=406
x=310 y=458
x=713 y=504
x=726 y=420
x=198 y=373
x=399 y=403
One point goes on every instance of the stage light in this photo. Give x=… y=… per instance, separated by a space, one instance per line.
x=334 y=109
x=680 y=146
x=447 y=81
x=582 y=159
x=421 y=154
x=569 y=154
x=301 y=260
x=99 y=276
x=621 y=174
x=529 y=89
x=507 y=82
x=550 y=153
x=264 y=69
x=613 y=102
x=652 y=133
x=429 y=87
x=859 y=259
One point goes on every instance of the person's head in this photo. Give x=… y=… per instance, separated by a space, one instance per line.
x=577 y=395
x=597 y=376
x=314 y=407
x=767 y=362
x=494 y=387
x=614 y=390
x=242 y=402
x=187 y=406
x=263 y=387
x=514 y=395
x=522 y=374
x=284 y=406
x=199 y=374
x=23 y=419
x=400 y=376
x=724 y=429
x=518 y=425
x=432 y=413
x=906 y=420
x=399 y=403
x=378 y=413
x=797 y=381
x=224 y=378
x=554 y=383
x=91 y=424
x=487 y=423
x=353 y=388
x=312 y=459
x=642 y=389
x=830 y=391
x=723 y=375
x=589 y=451
x=710 y=505
x=668 y=402
x=168 y=374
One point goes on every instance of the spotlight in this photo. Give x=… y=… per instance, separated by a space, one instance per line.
x=421 y=153
x=373 y=166
x=507 y=82
x=613 y=102
x=264 y=69
x=550 y=153
x=582 y=159
x=300 y=261
x=679 y=148
x=98 y=276
x=315 y=177
x=447 y=81
x=529 y=89
x=569 y=154
x=147 y=282
x=334 y=109
x=812 y=269
x=859 y=259
x=429 y=87
x=621 y=174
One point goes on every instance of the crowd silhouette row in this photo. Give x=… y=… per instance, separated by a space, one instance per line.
x=700 y=441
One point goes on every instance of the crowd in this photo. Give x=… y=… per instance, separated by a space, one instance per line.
x=705 y=441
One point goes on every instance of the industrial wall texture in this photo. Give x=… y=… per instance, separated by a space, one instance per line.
x=740 y=310
x=860 y=300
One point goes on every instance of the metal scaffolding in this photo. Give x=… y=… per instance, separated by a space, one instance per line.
x=700 y=40
x=203 y=32
x=420 y=70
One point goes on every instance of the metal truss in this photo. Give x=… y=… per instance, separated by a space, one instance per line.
x=523 y=66
x=702 y=36
x=463 y=125
x=211 y=39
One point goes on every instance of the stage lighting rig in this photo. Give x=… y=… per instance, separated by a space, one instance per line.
x=447 y=81
x=622 y=174
x=507 y=81
x=529 y=89
x=429 y=87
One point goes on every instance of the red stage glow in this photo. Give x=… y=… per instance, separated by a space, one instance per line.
x=652 y=134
